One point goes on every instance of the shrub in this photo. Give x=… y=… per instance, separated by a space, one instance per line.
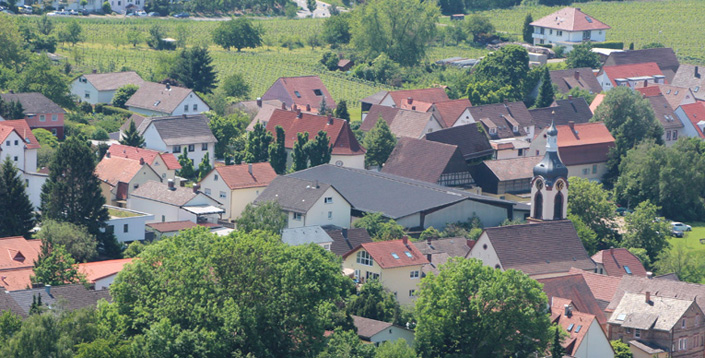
x=99 y=107
x=100 y=134
x=107 y=9
x=330 y=60
x=609 y=44
x=86 y=107
x=110 y=110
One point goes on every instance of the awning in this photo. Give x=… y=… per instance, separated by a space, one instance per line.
x=203 y=209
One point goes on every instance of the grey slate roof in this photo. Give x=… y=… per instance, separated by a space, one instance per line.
x=160 y=192
x=293 y=194
x=305 y=235
x=512 y=168
x=375 y=98
x=575 y=110
x=664 y=113
x=33 y=102
x=345 y=240
x=661 y=313
x=693 y=77
x=658 y=287
x=392 y=195
x=454 y=246
x=180 y=130
x=566 y=80
x=503 y=116
x=157 y=97
x=7 y=303
x=113 y=80
x=69 y=297
x=665 y=58
x=367 y=328
x=424 y=160
x=472 y=143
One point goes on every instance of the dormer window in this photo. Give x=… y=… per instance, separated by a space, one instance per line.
x=515 y=129
x=493 y=130
x=318 y=92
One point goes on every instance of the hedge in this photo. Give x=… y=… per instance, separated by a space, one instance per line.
x=618 y=45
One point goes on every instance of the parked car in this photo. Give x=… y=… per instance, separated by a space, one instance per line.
x=73 y=12
x=621 y=211
x=25 y=9
x=154 y=14
x=182 y=15
x=140 y=13
x=676 y=233
x=680 y=226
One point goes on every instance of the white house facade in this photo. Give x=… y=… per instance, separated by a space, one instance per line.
x=568 y=27
x=127 y=225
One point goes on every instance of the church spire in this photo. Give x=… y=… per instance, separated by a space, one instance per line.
x=549 y=190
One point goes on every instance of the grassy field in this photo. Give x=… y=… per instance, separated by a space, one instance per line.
x=691 y=239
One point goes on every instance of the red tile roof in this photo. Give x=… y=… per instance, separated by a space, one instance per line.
x=415 y=105
x=615 y=261
x=583 y=134
x=382 y=251
x=574 y=287
x=597 y=102
x=239 y=177
x=18 y=252
x=16 y=279
x=650 y=91
x=305 y=86
x=22 y=128
x=449 y=111
x=696 y=113
x=339 y=132
x=570 y=19
x=578 y=322
x=171 y=226
x=100 y=269
x=603 y=287
x=134 y=153
x=635 y=70
x=114 y=170
x=428 y=95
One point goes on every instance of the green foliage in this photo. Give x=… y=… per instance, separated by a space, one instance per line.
x=72 y=193
x=78 y=242
x=587 y=236
x=576 y=92
x=45 y=25
x=204 y=167
x=617 y=45
x=123 y=94
x=375 y=302
x=16 y=211
x=528 y=30
x=12 y=51
x=258 y=141
x=134 y=249
x=134 y=37
x=41 y=76
x=346 y=344
x=187 y=170
x=478 y=27
x=311 y=5
x=397 y=349
x=132 y=137
x=382 y=70
x=290 y=10
x=645 y=230
x=319 y=149
x=687 y=265
x=652 y=45
x=430 y=233
x=500 y=76
x=299 y=154
x=400 y=28
x=556 y=348
x=226 y=130
x=277 y=152
x=341 y=111
x=389 y=230
x=72 y=33
x=582 y=56
x=9 y=324
x=238 y=33
x=621 y=349
x=379 y=227
x=266 y=217
x=642 y=256
x=589 y=202
x=545 y=97
x=107 y=9
x=336 y=30
x=194 y=69
x=56 y=267
x=488 y=92
x=156 y=34
x=379 y=143
x=235 y=86
x=330 y=60
x=469 y=302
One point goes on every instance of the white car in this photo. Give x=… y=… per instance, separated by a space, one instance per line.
x=140 y=13
x=680 y=226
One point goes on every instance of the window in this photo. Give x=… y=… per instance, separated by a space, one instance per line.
x=297 y=216
x=195 y=107
x=330 y=215
x=414 y=274
x=163 y=218
x=697 y=321
x=125 y=228
x=7 y=144
x=176 y=149
x=594 y=169
x=186 y=108
x=87 y=94
x=550 y=32
x=42 y=118
x=54 y=117
x=208 y=191
x=204 y=146
x=520 y=152
x=357 y=273
x=627 y=270
x=17 y=142
x=328 y=200
x=586 y=171
x=668 y=135
x=363 y=258
x=54 y=132
x=318 y=92
x=683 y=323
x=412 y=293
x=560 y=33
x=215 y=177
x=696 y=89
x=191 y=147
x=327 y=247
x=16 y=158
x=637 y=333
x=222 y=195
x=298 y=95
x=682 y=344
x=135 y=186
x=395 y=256
x=493 y=130
x=675 y=135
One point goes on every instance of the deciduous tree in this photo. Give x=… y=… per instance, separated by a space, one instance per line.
x=267 y=217
x=78 y=242
x=16 y=211
x=226 y=130
x=238 y=33
x=235 y=86
x=686 y=264
x=123 y=94
x=204 y=167
x=73 y=33
x=12 y=52
x=621 y=349
x=582 y=56
x=336 y=29
x=187 y=170
x=375 y=302
x=478 y=27
x=646 y=230
x=379 y=143
x=56 y=267
x=41 y=76
x=397 y=349
x=590 y=203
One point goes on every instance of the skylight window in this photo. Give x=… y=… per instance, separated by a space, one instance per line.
x=588 y=19
x=696 y=89
x=669 y=91
x=627 y=270
x=621 y=317
x=298 y=95
x=408 y=254
x=578 y=329
x=318 y=92
x=570 y=328
x=394 y=255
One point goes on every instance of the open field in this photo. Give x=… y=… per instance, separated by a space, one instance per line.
x=691 y=239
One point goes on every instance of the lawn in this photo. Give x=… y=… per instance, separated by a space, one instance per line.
x=691 y=239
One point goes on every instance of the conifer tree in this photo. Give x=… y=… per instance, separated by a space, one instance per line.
x=546 y=94
x=187 y=171
x=132 y=137
x=204 y=167
x=342 y=110
x=277 y=152
x=257 y=146
x=16 y=211
x=556 y=348
x=323 y=108
x=528 y=29
x=379 y=143
x=299 y=154
x=319 y=149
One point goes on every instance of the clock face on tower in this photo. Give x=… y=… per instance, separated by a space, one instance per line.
x=539 y=184
x=559 y=185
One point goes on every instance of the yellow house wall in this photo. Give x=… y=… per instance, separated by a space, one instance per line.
x=239 y=199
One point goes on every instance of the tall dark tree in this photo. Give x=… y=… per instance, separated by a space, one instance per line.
x=16 y=211
x=132 y=137
x=11 y=110
x=341 y=111
x=238 y=33
x=204 y=167
x=277 y=152
x=319 y=149
x=379 y=143
x=257 y=147
x=528 y=30
x=187 y=170
x=299 y=154
x=556 y=348
x=546 y=94
x=72 y=192
x=194 y=69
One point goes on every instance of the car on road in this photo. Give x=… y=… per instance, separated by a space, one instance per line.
x=140 y=13
x=680 y=226
x=181 y=15
x=25 y=9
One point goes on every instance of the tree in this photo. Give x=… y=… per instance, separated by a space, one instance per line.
x=630 y=119
x=235 y=86
x=41 y=76
x=645 y=230
x=194 y=69
x=479 y=27
x=400 y=28
x=330 y=60
x=45 y=26
x=12 y=52
x=430 y=233
x=336 y=30
x=204 y=167
x=507 y=67
x=11 y=110
x=502 y=312
x=45 y=138
x=323 y=107
x=590 y=203
x=156 y=34
x=546 y=94
x=132 y=137
x=187 y=170
x=72 y=193
x=528 y=30
x=375 y=302
x=621 y=349
x=277 y=152
x=379 y=143
x=73 y=33
x=257 y=147
x=346 y=343
x=397 y=349
x=299 y=154
x=341 y=111
x=488 y=92
x=311 y=5
x=319 y=149
x=226 y=130
x=556 y=347
x=582 y=56
x=134 y=37
x=238 y=33
x=56 y=267
x=107 y=9
x=78 y=242
x=267 y=217
x=686 y=264
x=16 y=211
x=123 y=94
x=379 y=227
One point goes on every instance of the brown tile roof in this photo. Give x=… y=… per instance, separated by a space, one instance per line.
x=676 y=95
x=139 y=121
x=401 y=122
x=305 y=86
x=578 y=322
x=428 y=95
x=101 y=269
x=22 y=128
x=293 y=194
x=472 y=143
x=367 y=328
x=691 y=76
x=160 y=192
x=114 y=80
x=181 y=130
x=375 y=98
x=158 y=98
x=345 y=240
x=658 y=287
x=503 y=116
x=664 y=57
x=341 y=136
x=576 y=77
x=383 y=253
x=239 y=176
x=586 y=143
x=18 y=252
x=695 y=113
x=563 y=111
x=540 y=248
x=570 y=19
x=376 y=111
x=664 y=113
x=603 y=287
x=424 y=160
x=114 y=170
x=627 y=71
x=67 y=297
x=33 y=102
x=573 y=287
x=514 y=168
x=172 y=226
x=615 y=262
x=134 y=153
x=449 y=111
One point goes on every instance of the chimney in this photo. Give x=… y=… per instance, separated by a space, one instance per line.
x=283 y=106
x=409 y=100
x=647 y=295
x=308 y=108
x=96 y=71
x=141 y=161
x=571 y=124
x=249 y=168
x=330 y=119
x=47 y=288
x=576 y=75
x=429 y=257
x=170 y=184
x=405 y=240
x=107 y=154
x=649 y=275
x=259 y=102
x=344 y=231
x=196 y=186
x=646 y=83
x=568 y=312
x=168 y=87
x=315 y=185
x=298 y=113
x=697 y=74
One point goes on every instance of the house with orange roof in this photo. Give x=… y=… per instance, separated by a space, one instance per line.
x=237 y=185
x=583 y=147
x=17 y=257
x=101 y=274
x=618 y=262
x=585 y=338
x=676 y=96
x=630 y=75
x=425 y=95
x=119 y=177
x=693 y=118
x=403 y=123
x=164 y=164
x=603 y=287
x=449 y=112
x=306 y=92
x=397 y=264
x=568 y=27
x=18 y=143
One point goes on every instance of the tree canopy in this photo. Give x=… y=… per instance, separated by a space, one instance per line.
x=590 y=203
x=238 y=33
x=257 y=147
x=277 y=152
x=379 y=143
x=194 y=69
x=266 y=217
x=336 y=29
x=644 y=229
x=375 y=302
x=582 y=56
x=123 y=94
x=16 y=211
x=77 y=241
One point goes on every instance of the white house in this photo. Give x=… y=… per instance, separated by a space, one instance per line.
x=168 y=202
x=127 y=225
x=156 y=99
x=693 y=118
x=568 y=27
x=19 y=144
x=100 y=87
x=376 y=332
x=585 y=338
x=307 y=203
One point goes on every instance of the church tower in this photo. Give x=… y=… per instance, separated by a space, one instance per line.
x=549 y=187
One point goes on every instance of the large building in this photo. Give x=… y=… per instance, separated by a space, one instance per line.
x=568 y=27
